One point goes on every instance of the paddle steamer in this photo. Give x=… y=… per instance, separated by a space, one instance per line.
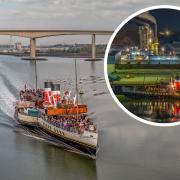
x=60 y=116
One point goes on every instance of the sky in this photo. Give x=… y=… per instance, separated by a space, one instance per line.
x=167 y=19
x=69 y=14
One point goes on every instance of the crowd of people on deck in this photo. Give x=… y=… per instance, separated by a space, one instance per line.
x=31 y=94
x=72 y=123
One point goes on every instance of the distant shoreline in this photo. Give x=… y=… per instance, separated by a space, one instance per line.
x=66 y=55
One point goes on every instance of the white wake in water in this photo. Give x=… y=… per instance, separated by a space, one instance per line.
x=7 y=100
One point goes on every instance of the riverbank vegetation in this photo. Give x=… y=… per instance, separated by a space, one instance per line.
x=140 y=76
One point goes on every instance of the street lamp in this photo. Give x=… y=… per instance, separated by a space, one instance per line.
x=167 y=33
x=163 y=50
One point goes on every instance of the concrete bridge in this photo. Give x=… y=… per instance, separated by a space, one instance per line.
x=35 y=34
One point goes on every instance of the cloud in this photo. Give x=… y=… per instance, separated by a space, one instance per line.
x=70 y=14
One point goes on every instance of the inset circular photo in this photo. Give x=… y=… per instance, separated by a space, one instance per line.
x=142 y=65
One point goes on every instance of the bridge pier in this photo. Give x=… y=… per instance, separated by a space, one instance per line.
x=32 y=48
x=93 y=48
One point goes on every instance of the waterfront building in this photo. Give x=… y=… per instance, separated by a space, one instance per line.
x=18 y=46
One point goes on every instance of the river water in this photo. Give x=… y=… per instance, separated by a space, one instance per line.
x=156 y=109
x=128 y=148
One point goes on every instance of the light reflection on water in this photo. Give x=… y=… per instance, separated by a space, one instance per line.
x=155 y=109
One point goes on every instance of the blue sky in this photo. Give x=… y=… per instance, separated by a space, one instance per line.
x=69 y=14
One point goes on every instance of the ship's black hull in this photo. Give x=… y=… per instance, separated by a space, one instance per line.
x=75 y=144
x=81 y=147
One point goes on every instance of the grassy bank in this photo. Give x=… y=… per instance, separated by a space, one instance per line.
x=110 y=68
x=138 y=76
x=140 y=80
x=147 y=66
x=123 y=98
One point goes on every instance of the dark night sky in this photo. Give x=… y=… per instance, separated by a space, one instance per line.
x=167 y=19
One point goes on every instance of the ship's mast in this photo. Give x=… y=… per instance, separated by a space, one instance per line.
x=35 y=73
x=76 y=76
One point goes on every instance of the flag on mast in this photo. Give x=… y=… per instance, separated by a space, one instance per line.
x=67 y=94
x=74 y=99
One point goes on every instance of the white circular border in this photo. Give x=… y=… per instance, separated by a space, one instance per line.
x=106 y=58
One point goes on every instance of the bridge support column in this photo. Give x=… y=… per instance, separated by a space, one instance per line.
x=93 y=46
x=32 y=48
